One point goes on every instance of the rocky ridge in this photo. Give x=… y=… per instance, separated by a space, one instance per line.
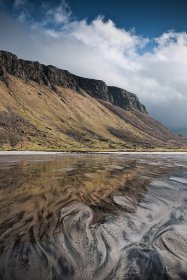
x=52 y=76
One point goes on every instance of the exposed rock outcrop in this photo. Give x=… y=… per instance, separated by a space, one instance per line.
x=125 y=99
x=51 y=76
x=95 y=88
x=35 y=71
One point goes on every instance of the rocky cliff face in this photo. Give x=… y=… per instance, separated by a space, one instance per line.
x=125 y=99
x=33 y=70
x=51 y=76
x=95 y=88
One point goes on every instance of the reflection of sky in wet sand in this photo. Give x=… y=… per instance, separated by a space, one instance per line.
x=93 y=217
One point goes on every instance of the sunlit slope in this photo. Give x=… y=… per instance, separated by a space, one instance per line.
x=32 y=116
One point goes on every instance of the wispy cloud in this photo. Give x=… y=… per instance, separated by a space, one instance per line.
x=101 y=50
x=60 y=14
x=19 y=3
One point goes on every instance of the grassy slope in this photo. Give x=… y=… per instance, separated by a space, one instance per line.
x=36 y=118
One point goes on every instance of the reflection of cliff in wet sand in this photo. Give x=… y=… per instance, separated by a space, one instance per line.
x=84 y=217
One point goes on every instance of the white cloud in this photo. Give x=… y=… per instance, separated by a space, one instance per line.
x=19 y=3
x=61 y=14
x=57 y=16
x=101 y=50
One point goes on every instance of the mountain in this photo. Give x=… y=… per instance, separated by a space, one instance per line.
x=43 y=107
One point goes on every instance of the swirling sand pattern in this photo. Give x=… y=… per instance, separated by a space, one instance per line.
x=93 y=217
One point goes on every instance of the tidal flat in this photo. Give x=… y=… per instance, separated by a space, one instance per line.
x=93 y=216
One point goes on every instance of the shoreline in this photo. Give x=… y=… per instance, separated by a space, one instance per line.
x=22 y=153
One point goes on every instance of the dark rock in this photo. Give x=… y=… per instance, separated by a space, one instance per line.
x=51 y=76
x=33 y=70
x=95 y=88
x=125 y=99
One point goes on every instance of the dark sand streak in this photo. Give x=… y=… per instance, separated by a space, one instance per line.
x=93 y=217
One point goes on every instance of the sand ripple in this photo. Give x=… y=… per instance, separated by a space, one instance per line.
x=94 y=218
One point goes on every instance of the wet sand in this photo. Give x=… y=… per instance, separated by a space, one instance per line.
x=93 y=216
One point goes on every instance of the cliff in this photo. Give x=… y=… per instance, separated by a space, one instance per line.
x=51 y=76
x=46 y=108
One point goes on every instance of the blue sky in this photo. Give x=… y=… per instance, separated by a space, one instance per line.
x=138 y=45
x=149 y=17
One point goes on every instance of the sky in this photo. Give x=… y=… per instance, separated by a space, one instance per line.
x=139 y=45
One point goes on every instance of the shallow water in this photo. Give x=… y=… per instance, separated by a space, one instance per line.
x=109 y=216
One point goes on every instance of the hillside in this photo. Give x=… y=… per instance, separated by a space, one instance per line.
x=43 y=107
